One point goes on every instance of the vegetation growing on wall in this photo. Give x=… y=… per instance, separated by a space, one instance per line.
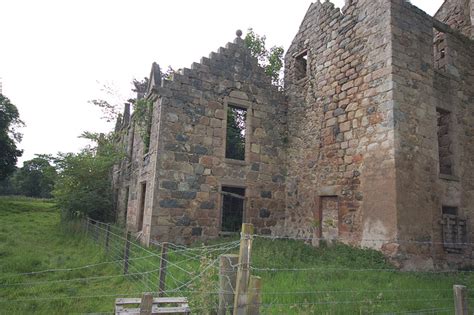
x=270 y=59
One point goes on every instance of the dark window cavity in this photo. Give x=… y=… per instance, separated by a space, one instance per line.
x=454 y=230
x=236 y=130
x=233 y=199
x=301 y=65
x=125 y=212
x=445 y=146
x=141 y=210
x=440 y=51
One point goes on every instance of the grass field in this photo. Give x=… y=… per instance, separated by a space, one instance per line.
x=297 y=278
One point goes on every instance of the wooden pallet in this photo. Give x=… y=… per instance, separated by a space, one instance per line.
x=123 y=306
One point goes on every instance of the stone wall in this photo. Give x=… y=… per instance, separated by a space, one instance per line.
x=459 y=15
x=191 y=167
x=340 y=122
x=372 y=138
x=423 y=90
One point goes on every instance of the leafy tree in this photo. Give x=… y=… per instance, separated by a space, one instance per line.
x=36 y=178
x=9 y=136
x=270 y=59
x=84 y=184
x=235 y=139
x=8 y=185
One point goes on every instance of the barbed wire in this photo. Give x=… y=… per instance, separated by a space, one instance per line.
x=361 y=241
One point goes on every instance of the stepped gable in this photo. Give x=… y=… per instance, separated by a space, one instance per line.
x=233 y=63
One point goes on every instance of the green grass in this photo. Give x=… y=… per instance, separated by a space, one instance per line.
x=31 y=240
x=297 y=278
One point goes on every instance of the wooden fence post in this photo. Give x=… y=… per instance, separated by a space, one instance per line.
x=460 y=300
x=243 y=272
x=107 y=236
x=146 y=305
x=163 y=263
x=126 y=253
x=227 y=278
x=255 y=298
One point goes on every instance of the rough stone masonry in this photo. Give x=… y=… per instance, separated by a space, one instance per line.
x=370 y=143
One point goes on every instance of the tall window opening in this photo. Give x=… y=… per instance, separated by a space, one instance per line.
x=440 y=50
x=454 y=230
x=141 y=209
x=301 y=65
x=236 y=131
x=445 y=147
x=125 y=212
x=233 y=200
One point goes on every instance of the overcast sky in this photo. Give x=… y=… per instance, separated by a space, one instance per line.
x=56 y=54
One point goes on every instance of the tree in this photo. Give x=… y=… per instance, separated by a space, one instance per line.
x=36 y=178
x=270 y=59
x=235 y=141
x=84 y=184
x=9 y=136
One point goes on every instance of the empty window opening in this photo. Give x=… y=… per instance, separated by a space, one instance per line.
x=454 y=230
x=450 y=210
x=236 y=131
x=125 y=211
x=301 y=65
x=329 y=216
x=141 y=209
x=131 y=143
x=445 y=147
x=233 y=200
x=440 y=50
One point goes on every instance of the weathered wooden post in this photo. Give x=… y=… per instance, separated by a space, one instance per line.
x=146 y=305
x=227 y=279
x=126 y=253
x=243 y=272
x=163 y=263
x=255 y=298
x=460 y=300
x=107 y=237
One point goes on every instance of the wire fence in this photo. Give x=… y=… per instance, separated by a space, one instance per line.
x=304 y=280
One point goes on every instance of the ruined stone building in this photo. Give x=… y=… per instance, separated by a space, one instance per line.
x=371 y=141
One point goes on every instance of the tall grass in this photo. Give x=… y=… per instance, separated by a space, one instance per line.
x=297 y=278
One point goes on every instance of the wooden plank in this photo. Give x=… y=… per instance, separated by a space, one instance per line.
x=163 y=264
x=146 y=304
x=232 y=195
x=243 y=272
x=227 y=279
x=460 y=300
x=156 y=300
x=156 y=310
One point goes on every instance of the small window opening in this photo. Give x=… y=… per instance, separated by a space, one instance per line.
x=440 y=50
x=141 y=209
x=445 y=147
x=232 y=208
x=450 y=210
x=454 y=230
x=301 y=65
x=131 y=144
x=236 y=131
